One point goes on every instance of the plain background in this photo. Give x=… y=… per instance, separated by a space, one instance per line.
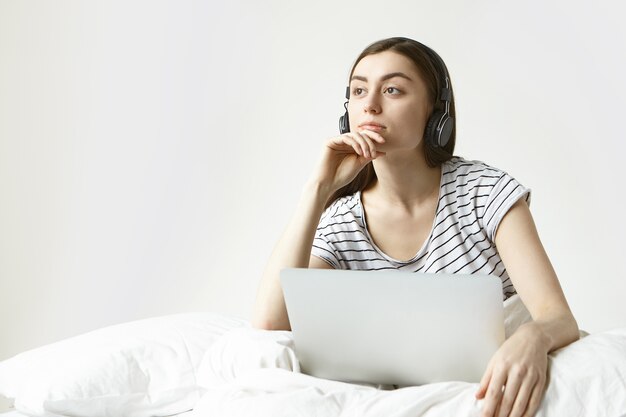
x=152 y=152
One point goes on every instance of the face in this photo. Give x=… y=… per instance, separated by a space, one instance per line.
x=387 y=89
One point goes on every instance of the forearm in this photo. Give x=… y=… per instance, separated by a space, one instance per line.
x=293 y=250
x=552 y=333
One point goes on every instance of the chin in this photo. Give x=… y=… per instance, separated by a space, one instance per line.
x=404 y=149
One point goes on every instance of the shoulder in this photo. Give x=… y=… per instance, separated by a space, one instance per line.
x=458 y=168
x=343 y=210
x=465 y=179
x=488 y=190
x=460 y=171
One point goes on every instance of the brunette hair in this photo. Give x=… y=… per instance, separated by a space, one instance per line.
x=423 y=57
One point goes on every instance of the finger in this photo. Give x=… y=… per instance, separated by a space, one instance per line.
x=498 y=409
x=535 y=399
x=484 y=383
x=354 y=144
x=339 y=144
x=374 y=135
x=370 y=144
x=513 y=383
x=361 y=143
x=521 y=402
x=494 y=394
x=342 y=143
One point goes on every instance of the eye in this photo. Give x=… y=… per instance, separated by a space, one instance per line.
x=393 y=88
x=356 y=91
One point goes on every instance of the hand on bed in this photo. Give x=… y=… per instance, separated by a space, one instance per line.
x=520 y=366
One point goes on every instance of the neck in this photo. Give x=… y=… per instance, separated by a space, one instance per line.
x=405 y=181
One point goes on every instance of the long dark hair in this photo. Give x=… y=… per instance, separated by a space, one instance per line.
x=423 y=60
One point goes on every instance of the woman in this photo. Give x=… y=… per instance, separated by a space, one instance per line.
x=389 y=194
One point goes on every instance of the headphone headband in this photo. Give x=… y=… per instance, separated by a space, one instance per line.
x=444 y=92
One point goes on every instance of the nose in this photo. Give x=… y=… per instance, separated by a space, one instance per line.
x=371 y=104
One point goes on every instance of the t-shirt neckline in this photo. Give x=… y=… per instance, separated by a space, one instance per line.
x=426 y=242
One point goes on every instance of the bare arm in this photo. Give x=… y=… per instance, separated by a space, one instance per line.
x=534 y=278
x=516 y=376
x=343 y=157
x=293 y=250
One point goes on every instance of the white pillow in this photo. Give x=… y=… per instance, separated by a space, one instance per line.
x=134 y=369
x=515 y=314
x=246 y=349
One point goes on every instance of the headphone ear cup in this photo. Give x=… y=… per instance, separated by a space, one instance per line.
x=344 y=123
x=438 y=139
x=430 y=133
x=446 y=130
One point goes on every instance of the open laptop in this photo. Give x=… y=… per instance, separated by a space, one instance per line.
x=393 y=327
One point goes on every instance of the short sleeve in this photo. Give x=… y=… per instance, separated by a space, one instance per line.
x=505 y=192
x=322 y=247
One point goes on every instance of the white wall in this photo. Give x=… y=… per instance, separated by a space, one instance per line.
x=151 y=152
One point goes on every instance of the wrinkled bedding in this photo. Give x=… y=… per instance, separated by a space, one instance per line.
x=219 y=365
x=250 y=372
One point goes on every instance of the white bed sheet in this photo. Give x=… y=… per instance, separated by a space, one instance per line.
x=250 y=372
x=585 y=379
x=15 y=413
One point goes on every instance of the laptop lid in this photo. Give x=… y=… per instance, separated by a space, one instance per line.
x=393 y=327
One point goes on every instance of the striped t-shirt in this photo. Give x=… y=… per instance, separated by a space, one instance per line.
x=473 y=198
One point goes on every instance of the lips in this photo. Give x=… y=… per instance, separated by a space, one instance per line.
x=372 y=126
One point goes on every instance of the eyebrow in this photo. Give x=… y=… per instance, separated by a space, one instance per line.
x=383 y=78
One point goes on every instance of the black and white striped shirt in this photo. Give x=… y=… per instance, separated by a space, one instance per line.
x=473 y=198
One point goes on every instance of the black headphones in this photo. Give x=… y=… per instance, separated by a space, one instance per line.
x=439 y=125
